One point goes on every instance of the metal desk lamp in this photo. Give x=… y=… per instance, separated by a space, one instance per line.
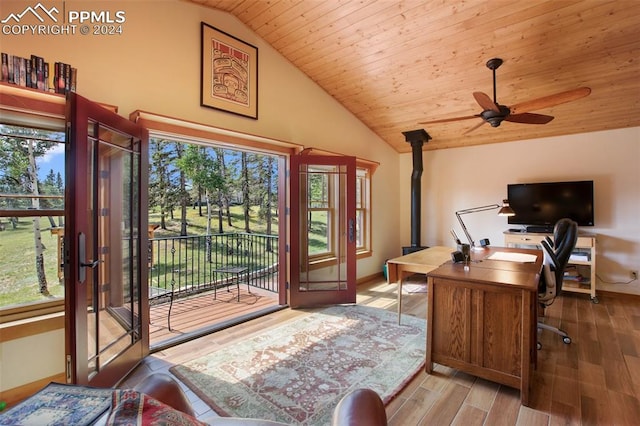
x=505 y=210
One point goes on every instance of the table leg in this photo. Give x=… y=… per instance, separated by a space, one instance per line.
x=399 y=297
x=428 y=365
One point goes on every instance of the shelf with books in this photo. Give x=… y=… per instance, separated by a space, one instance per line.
x=35 y=72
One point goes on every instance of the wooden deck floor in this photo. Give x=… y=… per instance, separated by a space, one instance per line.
x=203 y=311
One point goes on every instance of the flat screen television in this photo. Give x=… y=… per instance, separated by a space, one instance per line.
x=540 y=205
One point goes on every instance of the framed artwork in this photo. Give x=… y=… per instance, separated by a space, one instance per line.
x=229 y=74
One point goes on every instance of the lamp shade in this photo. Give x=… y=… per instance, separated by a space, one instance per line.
x=506 y=209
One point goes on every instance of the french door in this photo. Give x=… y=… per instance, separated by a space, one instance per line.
x=106 y=243
x=323 y=240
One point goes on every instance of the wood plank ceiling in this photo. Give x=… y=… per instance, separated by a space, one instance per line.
x=394 y=64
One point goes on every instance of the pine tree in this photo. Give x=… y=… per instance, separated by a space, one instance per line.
x=203 y=170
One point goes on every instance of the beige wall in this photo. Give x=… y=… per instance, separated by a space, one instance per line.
x=460 y=178
x=23 y=361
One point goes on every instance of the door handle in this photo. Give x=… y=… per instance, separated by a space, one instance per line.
x=82 y=254
x=352 y=230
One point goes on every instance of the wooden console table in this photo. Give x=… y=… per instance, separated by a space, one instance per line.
x=483 y=320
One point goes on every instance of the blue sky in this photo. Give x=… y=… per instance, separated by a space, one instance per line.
x=53 y=159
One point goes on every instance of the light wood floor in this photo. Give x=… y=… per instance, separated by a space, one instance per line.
x=593 y=381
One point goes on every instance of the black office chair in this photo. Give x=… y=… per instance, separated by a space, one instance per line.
x=556 y=256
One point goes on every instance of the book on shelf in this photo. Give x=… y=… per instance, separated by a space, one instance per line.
x=74 y=77
x=28 y=72
x=10 y=69
x=571 y=274
x=48 y=78
x=22 y=71
x=39 y=73
x=5 y=67
x=579 y=257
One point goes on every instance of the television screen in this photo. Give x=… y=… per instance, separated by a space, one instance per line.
x=543 y=204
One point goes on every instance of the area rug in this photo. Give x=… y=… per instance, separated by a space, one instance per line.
x=416 y=283
x=296 y=373
x=60 y=404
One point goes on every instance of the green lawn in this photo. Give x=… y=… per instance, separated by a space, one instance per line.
x=18 y=281
x=197 y=225
x=19 y=284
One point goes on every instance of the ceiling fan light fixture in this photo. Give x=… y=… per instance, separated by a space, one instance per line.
x=495 y=118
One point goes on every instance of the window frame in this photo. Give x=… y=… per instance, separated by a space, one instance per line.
x=363 y=205
x=364 y=173
x=45 y=111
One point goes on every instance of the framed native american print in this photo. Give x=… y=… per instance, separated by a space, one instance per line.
x=229 y=74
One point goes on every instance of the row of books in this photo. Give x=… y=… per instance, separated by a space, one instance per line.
x=36 y=73
x=571 y=273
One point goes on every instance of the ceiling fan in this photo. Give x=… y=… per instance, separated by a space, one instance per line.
x=495 y=113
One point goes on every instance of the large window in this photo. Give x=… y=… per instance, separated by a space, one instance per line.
x=31 y=219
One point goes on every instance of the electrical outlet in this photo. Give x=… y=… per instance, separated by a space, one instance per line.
x=634 y=275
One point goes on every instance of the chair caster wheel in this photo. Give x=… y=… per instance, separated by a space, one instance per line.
x=566 y=340
x=539 y=345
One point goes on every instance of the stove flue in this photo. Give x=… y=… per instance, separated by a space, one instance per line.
x=417 y=138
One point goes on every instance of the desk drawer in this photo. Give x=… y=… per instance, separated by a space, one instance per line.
x=523 y=239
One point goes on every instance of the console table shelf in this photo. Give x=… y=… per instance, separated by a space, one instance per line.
x=583 y=259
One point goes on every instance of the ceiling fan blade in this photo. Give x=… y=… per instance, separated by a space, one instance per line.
x=474 y=127
x=448 y=120
x=485 y=101
x=551 y=100
x=529 y=118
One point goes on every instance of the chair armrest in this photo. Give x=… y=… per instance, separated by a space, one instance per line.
x=360 y=407
x=165 y=389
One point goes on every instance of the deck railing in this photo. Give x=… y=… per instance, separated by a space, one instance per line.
x=181 y=266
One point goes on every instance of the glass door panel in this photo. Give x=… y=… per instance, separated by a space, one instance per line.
x=323 y=230
x=106 y=246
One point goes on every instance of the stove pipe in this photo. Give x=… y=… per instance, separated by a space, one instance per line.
x=417 y=138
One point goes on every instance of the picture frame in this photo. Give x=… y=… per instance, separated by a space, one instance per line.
x=229 y=73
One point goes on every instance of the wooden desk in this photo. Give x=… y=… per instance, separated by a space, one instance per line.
x=483 y=321
x=419 y=262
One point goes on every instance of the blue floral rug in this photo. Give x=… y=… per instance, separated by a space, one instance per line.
x=60 y=404
x=296 y=373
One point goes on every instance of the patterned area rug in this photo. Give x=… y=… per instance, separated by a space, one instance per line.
x=297 y=372
x=60 y=404
x=416 y=283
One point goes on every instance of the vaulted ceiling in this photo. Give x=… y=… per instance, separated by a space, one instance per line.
x=394 y=64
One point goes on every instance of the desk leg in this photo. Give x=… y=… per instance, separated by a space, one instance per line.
x=399 y=298
x=428 y=365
